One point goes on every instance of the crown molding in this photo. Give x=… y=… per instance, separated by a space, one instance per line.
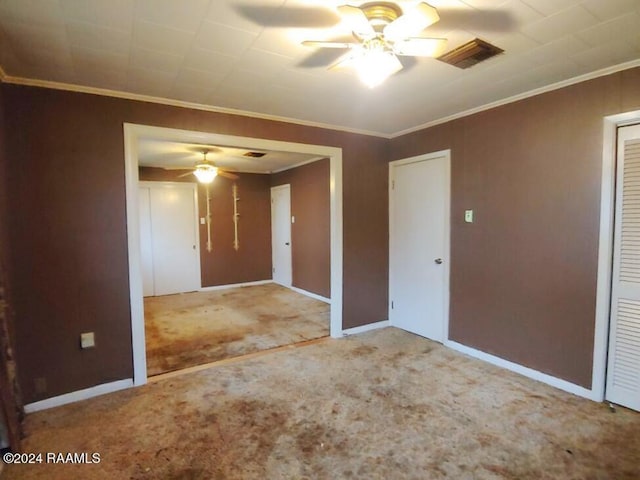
x=70 y=87
x=521 y=96
x=245 y=113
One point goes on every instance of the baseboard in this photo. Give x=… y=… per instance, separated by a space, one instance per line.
x=366 y=328
x=311 y=294
x=235 y=285
x=78 y=395
x=522 y=370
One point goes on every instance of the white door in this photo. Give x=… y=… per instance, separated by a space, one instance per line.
x=146 y=248
x=281 y=234
x=419 y=244
x=623 y=372
x=174 y=248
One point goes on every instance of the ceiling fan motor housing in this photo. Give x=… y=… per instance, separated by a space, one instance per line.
x=380 y=14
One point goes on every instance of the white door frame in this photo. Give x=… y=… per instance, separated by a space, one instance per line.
x=286 y=186
x=447 y=227
x=196 y=227
x=132 y=133
x=605 y=250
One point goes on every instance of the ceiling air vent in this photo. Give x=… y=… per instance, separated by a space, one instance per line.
x=470 y=53
x=254 y=154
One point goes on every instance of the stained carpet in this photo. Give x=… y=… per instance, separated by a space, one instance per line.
x=381 y=405
x=194 y=328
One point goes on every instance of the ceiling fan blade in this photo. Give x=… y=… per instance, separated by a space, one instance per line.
x=357 y=21
x=185 y=174
x=412 y=22
x=420 y=47
x=321 y=44
x=224 y=173
x=177 y=168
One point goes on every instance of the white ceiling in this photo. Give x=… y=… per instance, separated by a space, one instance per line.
x=246 y=55
x=155 y=152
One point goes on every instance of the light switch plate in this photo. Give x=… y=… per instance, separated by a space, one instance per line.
x=87 y=340
x=468 y=216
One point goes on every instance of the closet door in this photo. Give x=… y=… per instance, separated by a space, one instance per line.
x=623 y=374
x=169 y=240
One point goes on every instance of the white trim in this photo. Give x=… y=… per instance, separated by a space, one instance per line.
x=366 y=328
x=526 y=371
x=447 y=228
x=521 y=96
x=235 y=285
x=301 y=164
x=133 y=132
x=78 y=395
x=605 y=248
x=310 y=294
x=105 y=92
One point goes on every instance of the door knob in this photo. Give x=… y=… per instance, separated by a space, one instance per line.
x=438 y=261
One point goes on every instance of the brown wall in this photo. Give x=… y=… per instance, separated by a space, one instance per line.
x=224 y=265
x=68 y=226
x=311 y=232
x=523 y=275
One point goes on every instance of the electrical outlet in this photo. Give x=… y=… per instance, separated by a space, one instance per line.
x=87 y=340
x=468 y=216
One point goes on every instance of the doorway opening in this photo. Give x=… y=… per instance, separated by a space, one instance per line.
x=133 y=135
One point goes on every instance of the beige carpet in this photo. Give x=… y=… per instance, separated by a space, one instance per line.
x=381 y=405
x=194 y=328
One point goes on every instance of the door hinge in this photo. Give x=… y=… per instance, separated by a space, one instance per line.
x=273 y=270
x=392 y=305
x=393 y=184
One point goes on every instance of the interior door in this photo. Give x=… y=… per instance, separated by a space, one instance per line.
x=175 y=256
x=419 y=245
x=623 y=372
x=281 y=234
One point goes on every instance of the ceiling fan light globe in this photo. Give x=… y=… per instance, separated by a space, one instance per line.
x=375 y=66
x=205 y=173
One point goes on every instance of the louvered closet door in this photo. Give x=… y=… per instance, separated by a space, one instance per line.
x=623 y=375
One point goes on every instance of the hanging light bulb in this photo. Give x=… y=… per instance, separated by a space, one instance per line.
x=205 y=173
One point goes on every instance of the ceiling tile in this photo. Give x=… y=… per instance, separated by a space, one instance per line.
x=263 y=62
x=556 y=50
x=521 y=12
x=222 y=38
x=229 y=13
x=608 y=9
x=97 y=37
x=150 y=82
x=556 y=26
x=549 y=7
x=157 y=37
x=88 y=59
x=155 y=60
x=515 y=43
x=199 y=78
x=611 y=53
x=188 y=93
x=183 y=15
x=200 y=59
x=280 y=41
x=117 y=14
x=43 y=13
x=620 y=27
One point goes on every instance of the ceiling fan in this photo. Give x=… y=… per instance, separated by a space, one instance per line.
x=382 y=32
x=205 y=170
